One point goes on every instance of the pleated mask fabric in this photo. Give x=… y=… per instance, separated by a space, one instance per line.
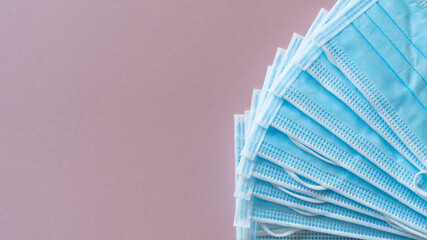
x=334 y=144
x=255 y=231
x=248 y=187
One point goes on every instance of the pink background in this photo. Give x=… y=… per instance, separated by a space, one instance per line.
x=117 y=116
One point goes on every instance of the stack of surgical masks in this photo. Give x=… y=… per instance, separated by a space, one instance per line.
x=334 y=145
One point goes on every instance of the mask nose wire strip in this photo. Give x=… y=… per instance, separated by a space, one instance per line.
x=283 y=234
x=304 y=198
x=417 y=189
x=305 y=148
x=303 y=212
x=298 y=179
x=404 y=228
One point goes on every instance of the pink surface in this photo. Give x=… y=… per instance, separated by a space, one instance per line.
x=117 y=116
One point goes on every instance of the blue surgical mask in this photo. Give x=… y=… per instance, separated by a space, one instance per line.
x=268 y=192
x=337 y=83
x=386 y=32
x=414 y=221
x=391 y=161
x=264 y=213
x=403 y=196
x=399 y=154
x=246 y=187
x=274 y=174
x=300 y=203
x=370 y=146
x=239 y=139
x=279 y=149
x=255 y=231
x=309 y=96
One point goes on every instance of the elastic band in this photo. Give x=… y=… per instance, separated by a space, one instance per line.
x=298 y=179
x=417 y=189
x=309 y=150
x=304 y=198
x=404 y=228
x=283 y=234
x=303 y=212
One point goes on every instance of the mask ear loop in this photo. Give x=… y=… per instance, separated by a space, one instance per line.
x=298 y=179
x=262 y=233
x=282 y=234
x=404 y=228
x=417 y=189
x=304 y=198
x=304 y=212
x=309 y=150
